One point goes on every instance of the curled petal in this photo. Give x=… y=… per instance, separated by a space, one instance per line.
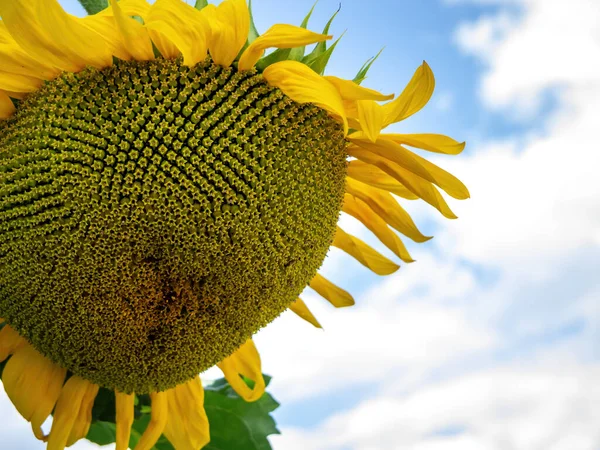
x=10 y=340
x=361 y=211
x=414 y=96
x=387 y=208
x=364 y=254
x=183 y=26
x=349 y=90
x=330 y=292
x=136 y=39
x=124 y=404
x=187 y=425
x=33 y=383
x=279 y=36
x=73 y=413
x=229 y=24
x=437 y=143
x=158 y=421
x=303 y=85
x=417 y=185
x=244 y=361
x=370 y=115
x=7 y=109
x=374 y=176
x=50 y=35
x=413 y=163
x=301 y=310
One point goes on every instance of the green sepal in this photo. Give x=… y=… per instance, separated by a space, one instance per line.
x=200 y=4
x=252 y=32
x=281 y=54
x=319 y=63
x=297 y=53
x=321 y=47
x=234 y=423
x=94 y=6
x=362 y=73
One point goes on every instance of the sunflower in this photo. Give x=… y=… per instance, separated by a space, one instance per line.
x=166 y=190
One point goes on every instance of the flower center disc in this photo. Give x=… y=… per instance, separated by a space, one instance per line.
x=154 y=216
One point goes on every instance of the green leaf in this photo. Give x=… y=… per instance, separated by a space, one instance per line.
x=281 y=54
x=253 y=32
x=201 y=4
x=102 y=433
x=234 y=423
x=320 y=62
x=298 y=52
x=321 y=47
x=362 y=73
x=94 y=6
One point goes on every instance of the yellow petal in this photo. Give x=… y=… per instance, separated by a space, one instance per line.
x=229 y=23
x=349 y=90
x=83 y=420
x=158 y=421
x=7 y=109
x=301 y=310
x=413 y=163
x=387 y=208
x=106 y=26
x=361 y=211
x=437 y=143
x=330 y=292
x=49 y=34
x=71 y=413
x=131 y=8
x=414 y=96
x=15 y=60
x=33 y=383
x=370 y=115
x=304 y=85
x=10 y=340
x=372 y=175
x=19 y=83
x=136 y=39
x=278 y=36
x=363 y=253
x=124 y=404
x=417 y=185
x=183 y=26
x=244 y=361
x=187 y=426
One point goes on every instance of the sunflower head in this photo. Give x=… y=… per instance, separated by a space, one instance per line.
x=166 y=190
x=156 y=216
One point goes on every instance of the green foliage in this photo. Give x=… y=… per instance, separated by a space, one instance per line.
x=362 y=73
x=201 y=4
x=297 y=53
x=253 y=32
x=234 y=423
x=94 y=6
x=319 y=57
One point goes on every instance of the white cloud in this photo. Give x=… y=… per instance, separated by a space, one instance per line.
x=554 y=44
x=514 y=407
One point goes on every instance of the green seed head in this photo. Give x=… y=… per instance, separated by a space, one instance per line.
x=154 y=216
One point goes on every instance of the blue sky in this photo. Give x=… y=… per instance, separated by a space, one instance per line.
x=491 y=339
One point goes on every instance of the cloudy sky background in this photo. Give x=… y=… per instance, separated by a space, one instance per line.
x=491 y=340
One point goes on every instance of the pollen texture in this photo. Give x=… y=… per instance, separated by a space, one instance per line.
x=155 y=216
